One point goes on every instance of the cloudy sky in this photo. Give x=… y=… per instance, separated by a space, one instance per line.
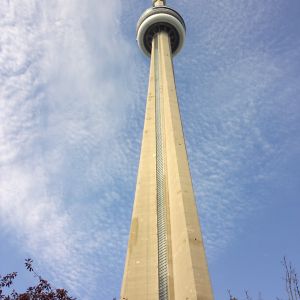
x=72 y=97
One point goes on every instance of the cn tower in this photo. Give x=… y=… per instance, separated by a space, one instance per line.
x=165 y=256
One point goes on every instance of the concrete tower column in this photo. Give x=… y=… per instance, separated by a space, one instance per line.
x=166 y=257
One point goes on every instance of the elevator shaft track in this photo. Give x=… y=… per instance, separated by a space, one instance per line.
x=160 y=183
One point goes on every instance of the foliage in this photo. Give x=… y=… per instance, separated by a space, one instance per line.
x=291 y=281
x=292 y=285
x=44 y=291
x=41 y=291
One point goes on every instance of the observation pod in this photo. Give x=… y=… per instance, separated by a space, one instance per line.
x=156 y=19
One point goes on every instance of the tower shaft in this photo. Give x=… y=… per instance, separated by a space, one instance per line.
x=165 y=257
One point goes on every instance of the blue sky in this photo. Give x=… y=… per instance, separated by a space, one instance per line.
x=73 y=87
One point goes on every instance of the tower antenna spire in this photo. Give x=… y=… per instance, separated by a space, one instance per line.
x=159 y=2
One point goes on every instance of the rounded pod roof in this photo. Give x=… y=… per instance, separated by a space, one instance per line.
x=160 y=18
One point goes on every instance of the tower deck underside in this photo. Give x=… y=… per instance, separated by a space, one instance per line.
x=165 y=257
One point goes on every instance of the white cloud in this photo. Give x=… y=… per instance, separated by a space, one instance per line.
x=63 y=102
x=235 y=75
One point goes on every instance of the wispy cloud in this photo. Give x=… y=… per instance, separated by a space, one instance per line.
x=64 y=99
x=238 y=105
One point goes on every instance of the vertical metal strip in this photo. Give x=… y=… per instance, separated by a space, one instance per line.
x=160 y=183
